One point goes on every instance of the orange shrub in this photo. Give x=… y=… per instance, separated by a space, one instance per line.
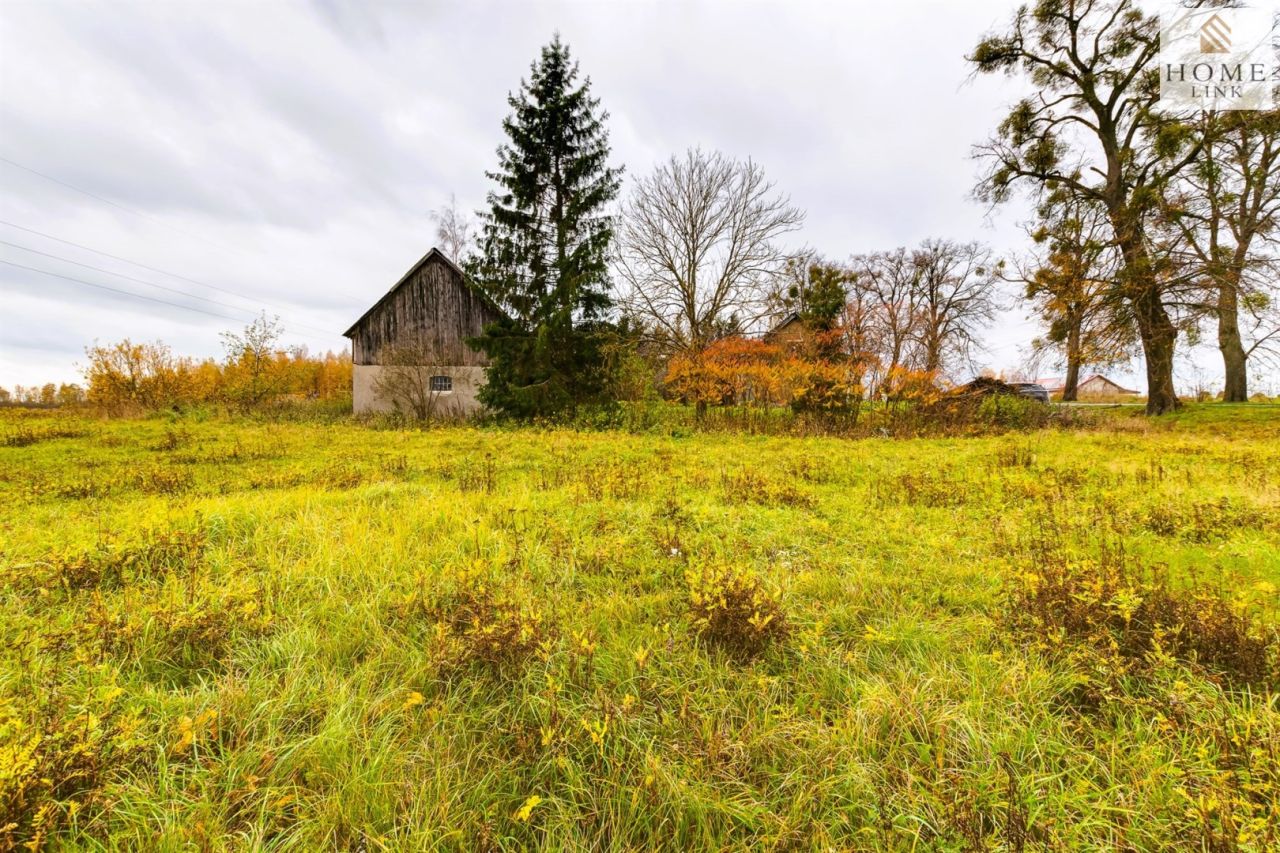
x=741 y=371
x=730 y=371
x=127 y=378
x=917 y=386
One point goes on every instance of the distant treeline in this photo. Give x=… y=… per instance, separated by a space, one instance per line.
x=255 y=373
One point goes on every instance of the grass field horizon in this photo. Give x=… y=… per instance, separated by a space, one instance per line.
x=229 y=633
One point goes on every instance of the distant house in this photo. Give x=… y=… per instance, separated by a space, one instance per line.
x=1095 y=387
x=788 y=331
x=419 y=329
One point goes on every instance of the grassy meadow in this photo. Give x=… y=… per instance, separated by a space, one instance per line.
x=224 y=634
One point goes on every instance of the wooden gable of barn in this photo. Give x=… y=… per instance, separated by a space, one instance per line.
x=433 y=307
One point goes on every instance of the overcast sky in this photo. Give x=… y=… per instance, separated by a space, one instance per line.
x=285 y=156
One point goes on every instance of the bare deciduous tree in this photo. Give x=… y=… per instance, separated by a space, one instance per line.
x=955 y=285
x=860 y=331
x=455 y=230
x=889 y=278
x=697 y=247
x=923 y=309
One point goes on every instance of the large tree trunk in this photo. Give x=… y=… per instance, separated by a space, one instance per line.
x=1071 y=381
x=1234 y=361
x=933 y=357
x=1155 y=329
x=1158 y=336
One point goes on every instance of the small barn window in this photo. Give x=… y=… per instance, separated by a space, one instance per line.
x=441 y=384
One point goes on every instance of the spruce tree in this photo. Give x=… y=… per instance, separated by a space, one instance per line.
x=545 y=244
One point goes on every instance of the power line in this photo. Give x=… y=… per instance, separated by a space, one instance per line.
x=131 y=293
x=149 y=283
x=115 y=204
x=126 y=277
x=143 y=215
x=117 y=290
x=134 y=263
x=72 y=187
x=135 y=212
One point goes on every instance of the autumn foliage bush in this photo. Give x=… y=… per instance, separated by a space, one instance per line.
x=814 y=385
x=745 y=371
x=1133 y=616
x=479 y=619
x=55 y=762
x=127 y=378
x=729 y=371
x=734 y=609
x=114 y=564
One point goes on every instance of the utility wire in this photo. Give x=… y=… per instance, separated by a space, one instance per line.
x=72 y=187
x=127 y=277
x=115 y=204
x=134 y=263
x=131 y=293
x=117 y=290
x=148 y=283
x=128 y=209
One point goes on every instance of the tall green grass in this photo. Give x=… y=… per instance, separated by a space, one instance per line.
x=227 y=634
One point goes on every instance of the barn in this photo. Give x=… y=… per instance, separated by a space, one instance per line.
x=409 y=349
x=787 y=332
x=1096 y=388
x=1099 y=387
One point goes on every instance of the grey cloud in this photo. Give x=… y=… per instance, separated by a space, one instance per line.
x=291 y=151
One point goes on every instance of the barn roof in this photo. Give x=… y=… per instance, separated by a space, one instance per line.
x=793 y=317
x=1100 y=378
x=435 y=254
x=1055 y=383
